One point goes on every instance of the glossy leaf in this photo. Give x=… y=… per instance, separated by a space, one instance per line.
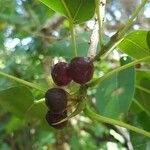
x=148 y=39
x=142 y=78
x=142 y=94
x=139 y=142
x=114 y=94
x=16 y=100
x=78 y=11
x=136 y=44
x=37 y=111
x=20 y=102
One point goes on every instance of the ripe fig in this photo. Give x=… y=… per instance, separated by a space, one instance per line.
x=81 y=69
x=56 y=100
x=60 y=74
x=54 y=118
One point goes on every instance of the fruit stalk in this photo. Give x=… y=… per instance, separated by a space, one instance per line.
x=100 y=118
x=97 y=29
x=71 y=27
x=98 y=80
x=73 y=37
x=99 y=19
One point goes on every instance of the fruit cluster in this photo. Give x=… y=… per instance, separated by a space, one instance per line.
x=80 y=70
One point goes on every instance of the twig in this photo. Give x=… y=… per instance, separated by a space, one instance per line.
x=93 y=41
x=119 y=35
x=124 y=133
x=52 y=23
x=99 y=20
x=97 y=31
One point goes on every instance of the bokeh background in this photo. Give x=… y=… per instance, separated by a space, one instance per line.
x=28 y=30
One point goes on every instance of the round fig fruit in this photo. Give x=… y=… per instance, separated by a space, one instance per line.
x=81 y=69
x=54 y=118
x=60 y=74
x=56 y=100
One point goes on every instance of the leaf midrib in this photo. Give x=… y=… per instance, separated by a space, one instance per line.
x=129 y=40
x=67 y=10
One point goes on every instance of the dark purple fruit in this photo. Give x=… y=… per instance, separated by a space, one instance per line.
x=60 y=74
x=81 y=69
x=54 y=118
x=56 y=100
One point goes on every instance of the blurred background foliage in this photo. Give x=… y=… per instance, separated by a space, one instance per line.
x=28 y=48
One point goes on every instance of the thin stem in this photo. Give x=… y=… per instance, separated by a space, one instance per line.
x=100 y=118
x=73 y=37
x=32 y=85
x=134 y=15
x=119 y=35
x=107 y=75
x=67 y=10
x=93 y=42
x=40 y=101
x=98 y=13
x=142 y=89
x=106 y=49
x=110 y=49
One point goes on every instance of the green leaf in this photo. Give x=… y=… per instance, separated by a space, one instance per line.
x=142 y=78
x=142 y=93
x=114 y=94
x=148 y=39
x=140 y=142
x=143 y=121
x=136 y=44
x=13 y=124
x=36 y=111
x=16 y=100
x=20 y=102
x=77 y=11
